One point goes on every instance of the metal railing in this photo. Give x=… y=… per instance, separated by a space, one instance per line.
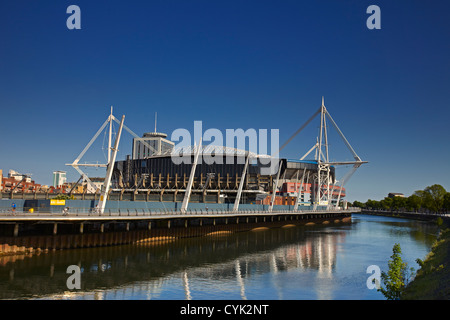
x=92 y=212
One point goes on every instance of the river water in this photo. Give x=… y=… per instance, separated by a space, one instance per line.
x=321 y=262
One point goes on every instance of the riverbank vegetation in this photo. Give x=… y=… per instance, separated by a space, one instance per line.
x=397 y=277
x=432 y=281
x=433 y=199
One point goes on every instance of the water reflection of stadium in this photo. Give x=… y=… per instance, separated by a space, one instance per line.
x=144 y=271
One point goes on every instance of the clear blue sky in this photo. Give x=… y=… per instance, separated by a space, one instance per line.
x=232 y=64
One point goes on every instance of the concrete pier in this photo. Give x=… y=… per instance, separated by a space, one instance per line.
x=25 y=233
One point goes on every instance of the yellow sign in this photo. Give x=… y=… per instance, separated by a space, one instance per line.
x=54 y=202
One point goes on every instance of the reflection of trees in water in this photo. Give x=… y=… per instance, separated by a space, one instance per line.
x=416 y=229
x=148 y=266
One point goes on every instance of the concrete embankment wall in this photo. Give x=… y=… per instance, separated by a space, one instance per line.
x=29 y=239
x=408 y=215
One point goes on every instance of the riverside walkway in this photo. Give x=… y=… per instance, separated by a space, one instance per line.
x=143 y=214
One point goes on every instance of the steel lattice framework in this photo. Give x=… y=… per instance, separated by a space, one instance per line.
x=323 y=195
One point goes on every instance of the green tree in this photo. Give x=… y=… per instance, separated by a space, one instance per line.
x=358 y=204
x=435 y=197
x=64 y=197
x=447 y=201
x=395 y=280
x=372 y=204
x=425 y=198
x=414 y=202
x=398 y=203
x=386 y=203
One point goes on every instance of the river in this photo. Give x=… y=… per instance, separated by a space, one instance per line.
x=320 y=262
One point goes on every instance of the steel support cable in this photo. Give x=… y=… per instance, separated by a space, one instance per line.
x=357 y=158
x=345 y=179
x=91 y=142
x=136 y=136
x=298 y=131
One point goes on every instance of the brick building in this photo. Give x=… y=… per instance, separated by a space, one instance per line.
x=17 y=182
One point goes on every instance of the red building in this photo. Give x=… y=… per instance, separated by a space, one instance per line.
x=289 y=191
x=17 y=182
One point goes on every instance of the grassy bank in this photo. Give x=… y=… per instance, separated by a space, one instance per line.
x=432 y=281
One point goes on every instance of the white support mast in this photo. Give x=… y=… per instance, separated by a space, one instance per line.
x=323 y=169
x=275 y=187
x=306 y=154
x=76 y=163
x=322 y=181
x=110 y=119
x=300 y=192
x=187 y=195
x=241 y=185
x=104 y=195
